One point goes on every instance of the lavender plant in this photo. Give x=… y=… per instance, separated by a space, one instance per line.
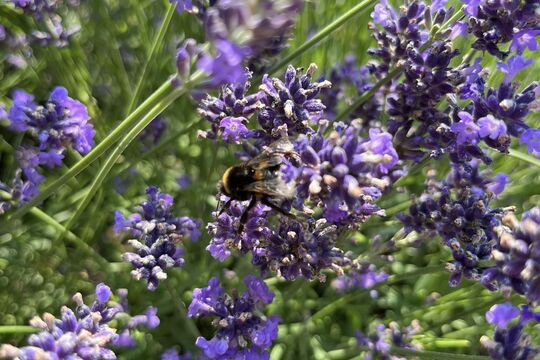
x=368 y=168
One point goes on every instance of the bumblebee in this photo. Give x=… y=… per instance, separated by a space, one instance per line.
x=260 y=179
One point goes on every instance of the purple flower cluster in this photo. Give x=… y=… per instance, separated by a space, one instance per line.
x=360 y=275
x=230 y=112
x=292 y=250
x=296 y=250
x=509 y=342
x=341 y=174
x=225 y=235
x=493 y=118
x=46 y=14
x=517 y=256
x=158 y=235
x=16 y=47
x=495 y=23
x=37 y=7
x=345 y=173
x=418 y=121
x=458 y=210
x=292 y=103
x=86 y=333
x=61 y=123
x=383 y=339
x=242 y=330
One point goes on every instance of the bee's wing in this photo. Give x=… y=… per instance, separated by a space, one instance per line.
x=275 y=188
x=272 y=155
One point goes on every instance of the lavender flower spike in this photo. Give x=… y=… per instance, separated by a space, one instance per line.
x=158 y=233
x=242 y=332
x=81 y=334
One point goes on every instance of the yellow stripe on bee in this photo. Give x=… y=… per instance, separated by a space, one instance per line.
x=225 y=180
x=259 y=175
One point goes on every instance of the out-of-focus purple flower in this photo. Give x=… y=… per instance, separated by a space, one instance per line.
x=182 y=5
x=459 y=28
x=517 y=256
x=347 y=75
x=226 y=67
x=491 y=127
x=380 y=143
x=60 y=123
x=172 y=354
x=514 y=65
x=383 y=14
x=183 y=181
x=261 y=27
x=472 y=6
x=159 y=234
x=531 y=137
x=37 y=6
x=360 y=275
x=380 y=341
x=3 y=112
x=498 y=183
x=81 y=334
x=153 y=132
x=466 y=129
x=436 y=5
x=525 y=39
x=502 y=314
x=510 y=343
x=242 y=332
x=233 y=129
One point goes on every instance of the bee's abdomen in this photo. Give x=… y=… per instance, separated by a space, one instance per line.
x=235 y=179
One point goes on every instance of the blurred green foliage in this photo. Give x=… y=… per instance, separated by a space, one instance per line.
x=101 y=68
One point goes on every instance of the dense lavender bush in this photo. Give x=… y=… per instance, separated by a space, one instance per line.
x=276 y=179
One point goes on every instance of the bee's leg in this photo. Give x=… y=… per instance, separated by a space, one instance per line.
x=245 y=214
x=225 y=207
x=268 y=203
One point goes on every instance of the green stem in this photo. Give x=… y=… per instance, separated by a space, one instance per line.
x=398 y=208
x=158 y=40
x=174 y=136
x=181 y=310
x=333 y=306
x=17 y=329
x=436 y=355
x=365 y=96
x=326 y=31
x=99 y=150
x=119 y=149
x=71 y=237
x=525 y=157
x=409 y=353
x=78 y=242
